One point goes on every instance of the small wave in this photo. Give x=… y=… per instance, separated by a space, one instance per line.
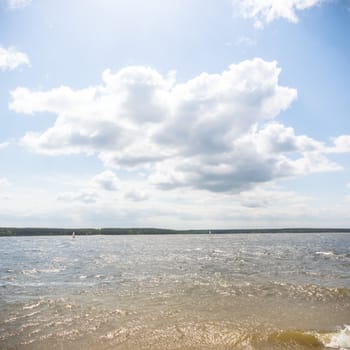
x=308 y=291
x=339 y=340
x=50 y=270
x=332 y=254
x=295 y=338
x=189 y=250
x=30 y=272
x=328 y=253
x=117 y=336
x=32 y=306
x=308 y=339
x=35 y=272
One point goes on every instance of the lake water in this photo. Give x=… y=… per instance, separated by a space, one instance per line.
x=268 y=291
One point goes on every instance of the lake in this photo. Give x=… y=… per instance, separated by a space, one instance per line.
x=233 y=291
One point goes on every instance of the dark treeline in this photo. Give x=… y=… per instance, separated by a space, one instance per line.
x=32 y=231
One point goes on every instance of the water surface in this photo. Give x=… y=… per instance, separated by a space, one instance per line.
x=249 y=291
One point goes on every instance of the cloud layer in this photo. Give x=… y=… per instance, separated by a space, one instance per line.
x=11 y=58
x=266 y=11
x=214 y=132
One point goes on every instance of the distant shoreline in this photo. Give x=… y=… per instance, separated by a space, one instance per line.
x=39 y=231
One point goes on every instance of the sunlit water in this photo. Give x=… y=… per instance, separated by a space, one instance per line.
x=269 y=291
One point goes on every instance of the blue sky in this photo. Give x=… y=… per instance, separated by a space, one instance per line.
x=179 y=114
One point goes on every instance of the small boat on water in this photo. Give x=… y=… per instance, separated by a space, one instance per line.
x=73 y=235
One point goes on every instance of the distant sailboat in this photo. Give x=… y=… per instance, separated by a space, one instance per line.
x=73 y=234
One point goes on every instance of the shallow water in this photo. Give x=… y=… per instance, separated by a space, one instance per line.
x=269 y=291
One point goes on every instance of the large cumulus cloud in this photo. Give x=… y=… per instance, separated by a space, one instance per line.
x=215 y=132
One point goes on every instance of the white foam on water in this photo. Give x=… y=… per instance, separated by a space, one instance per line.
x=31 y=306
x=30 y=272
x=50 y=270
x=325 y=253
x=340 y=340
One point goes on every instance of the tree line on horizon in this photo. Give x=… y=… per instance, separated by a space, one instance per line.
x=39 y=231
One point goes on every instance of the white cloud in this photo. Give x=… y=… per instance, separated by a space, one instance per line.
x=107 y=180
x=266 y=11
x=86 y=197
x=275 y=138
x=11 y=58
x=104 y=188
x=257 y=156
x=246 y=41
x=17 y=4
x=5 y=185
x=264 y=205
x=62 y=100
x=213 y=132
x=136 y=195
x=4 y=145
x=341 y=144
x=271 y=198
x=4 y=182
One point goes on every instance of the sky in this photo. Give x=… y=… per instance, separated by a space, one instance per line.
x=175 y=114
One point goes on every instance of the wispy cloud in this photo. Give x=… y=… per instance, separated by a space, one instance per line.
x=246 y=41
x=17 y=4
x=4 y=182
x=266 y=11
x=86 y=197
x=4 y=145
x=11 y=58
